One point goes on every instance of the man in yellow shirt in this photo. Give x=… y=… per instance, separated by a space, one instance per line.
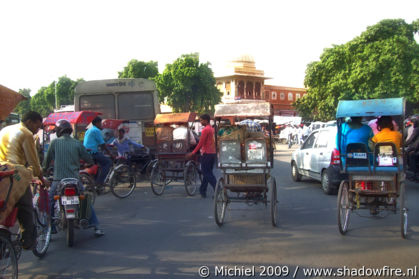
x=17 y=146
x=387 y=133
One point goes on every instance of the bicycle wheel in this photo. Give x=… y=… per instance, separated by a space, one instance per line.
x=403 y=210
x=274 y=201
x=158 y=180
x=8 y=260
x=220 y=202
x=344 y=207
x=191 y=179
x=123 y=181
x=43 y=230
x=89 y=186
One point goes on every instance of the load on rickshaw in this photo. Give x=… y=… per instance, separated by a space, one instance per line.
x=245 y=158
x=375 y=177
x=174 y=140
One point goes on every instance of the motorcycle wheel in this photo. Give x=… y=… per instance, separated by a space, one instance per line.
x=70 y=233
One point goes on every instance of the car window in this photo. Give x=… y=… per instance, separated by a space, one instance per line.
x=310 y=141
x=322 y=139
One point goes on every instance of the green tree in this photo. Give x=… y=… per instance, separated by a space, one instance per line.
x=65 y=90
x=188 y=85
x=24 y=105
x=44 y=100
x=382 y=62
x=139 y=69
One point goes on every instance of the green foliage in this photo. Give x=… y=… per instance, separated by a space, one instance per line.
x=44 y=100
x=24 y=106
x=65 y=91
x=383 y=62
x=188 y=85
x=139 y=69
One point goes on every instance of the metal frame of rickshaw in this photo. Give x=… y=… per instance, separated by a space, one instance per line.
x=351 y=197
x=245 y=193
x=162 y=173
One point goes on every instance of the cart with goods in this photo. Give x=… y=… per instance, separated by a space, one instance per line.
x=375 y=176
x=245 y=158
x=174 y=140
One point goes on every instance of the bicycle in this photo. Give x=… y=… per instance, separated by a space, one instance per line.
x=11 y=239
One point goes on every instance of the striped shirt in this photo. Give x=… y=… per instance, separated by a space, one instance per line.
x=66 y=153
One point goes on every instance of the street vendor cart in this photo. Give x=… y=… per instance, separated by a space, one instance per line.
x=245 y=158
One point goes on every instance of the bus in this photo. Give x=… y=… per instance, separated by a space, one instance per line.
x=135 y=100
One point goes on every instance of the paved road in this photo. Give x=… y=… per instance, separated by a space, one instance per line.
x=173 y=235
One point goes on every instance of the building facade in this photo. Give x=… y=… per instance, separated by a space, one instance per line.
x=282 y=98
x=244 y=81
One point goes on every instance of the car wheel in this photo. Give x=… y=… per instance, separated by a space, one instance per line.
x=326 y=184
x=296 y=176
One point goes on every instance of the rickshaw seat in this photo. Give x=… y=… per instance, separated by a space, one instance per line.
x=357 y=158
x=386 y=149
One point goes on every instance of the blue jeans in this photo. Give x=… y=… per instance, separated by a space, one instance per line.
x=93 y=221
x=105 y=165
x=207 y=165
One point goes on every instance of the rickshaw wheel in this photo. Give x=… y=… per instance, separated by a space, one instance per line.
x=344 y=207
x=403 y=210
x=220 y=202
x=274 y=201
x=191 y=178
x=158 y=180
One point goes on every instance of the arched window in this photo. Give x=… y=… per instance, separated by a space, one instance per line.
x=290 y=96
x=273 y=95
x=282 y=96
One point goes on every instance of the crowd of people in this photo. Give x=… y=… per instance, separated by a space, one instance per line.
x=17 y=146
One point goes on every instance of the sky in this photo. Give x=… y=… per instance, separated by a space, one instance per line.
x=43 y=40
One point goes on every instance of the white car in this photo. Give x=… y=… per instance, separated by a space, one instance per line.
x=318 y=158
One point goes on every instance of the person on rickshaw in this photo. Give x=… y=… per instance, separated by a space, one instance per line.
x=412 y=147
x=17 y=146
x=124 y=144
x=387 y=132
x=353 y=132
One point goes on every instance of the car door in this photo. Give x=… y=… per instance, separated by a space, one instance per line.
x=307 y=149
x=320 y=155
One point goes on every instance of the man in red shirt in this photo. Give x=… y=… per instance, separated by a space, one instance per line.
x=207 y=146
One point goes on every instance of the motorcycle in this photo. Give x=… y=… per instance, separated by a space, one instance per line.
x=71 y=209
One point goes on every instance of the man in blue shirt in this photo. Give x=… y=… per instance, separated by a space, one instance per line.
x=93 y=139
x=124 y=144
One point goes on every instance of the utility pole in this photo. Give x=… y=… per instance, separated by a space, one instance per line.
x=55 y=93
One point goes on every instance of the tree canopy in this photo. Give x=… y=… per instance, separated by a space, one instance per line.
x=44 y=100
x=139 y=69
x=188 y=85
x=383 y=62
x=24 y=105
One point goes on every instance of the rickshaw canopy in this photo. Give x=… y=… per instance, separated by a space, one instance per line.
x=373 y=107
x=174 y=118
x=9 y=100
x=77 y=117
x=242 y=110
x=111 y=123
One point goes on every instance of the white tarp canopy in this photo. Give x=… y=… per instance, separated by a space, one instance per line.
x=294 y=120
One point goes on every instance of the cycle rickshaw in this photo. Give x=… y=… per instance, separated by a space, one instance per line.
x=171 y=164
x=245 y=158
x=375 y=178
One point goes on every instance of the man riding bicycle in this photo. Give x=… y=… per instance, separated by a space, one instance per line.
x=17 y=146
